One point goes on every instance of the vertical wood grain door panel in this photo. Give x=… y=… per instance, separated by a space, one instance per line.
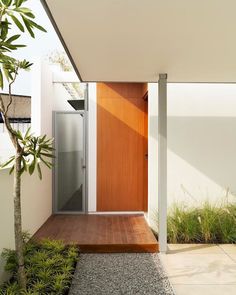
x=121 y=147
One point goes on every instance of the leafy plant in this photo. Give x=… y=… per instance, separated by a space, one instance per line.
x=49 y=266
x=207 y=223
x=29 y=150
x=34 y=150
x=14 y=13
x=10 y=289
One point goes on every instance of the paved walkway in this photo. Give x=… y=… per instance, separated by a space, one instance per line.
x=115 y=274
x=201 y=269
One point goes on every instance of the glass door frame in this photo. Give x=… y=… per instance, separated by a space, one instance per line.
x=55 y=167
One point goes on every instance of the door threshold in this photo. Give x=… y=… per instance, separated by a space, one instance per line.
x=69 y=213
x=117 y=212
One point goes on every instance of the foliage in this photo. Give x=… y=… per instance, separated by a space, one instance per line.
x=12 y=12
x=28 y=149
x=34 y=150
x=207 y=223
x=49 y=267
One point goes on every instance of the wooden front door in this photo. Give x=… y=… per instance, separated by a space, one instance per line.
x=122 y=147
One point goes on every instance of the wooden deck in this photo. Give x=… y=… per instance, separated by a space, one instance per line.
x=101 y=233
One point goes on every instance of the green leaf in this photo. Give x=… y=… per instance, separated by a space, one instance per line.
x=8 y=162
x=41 y=139
x=46 y=147
x=25 y=11
x=39 y=171
x=7 y=74
x=1 y=79
x=48 y=155
x=32 y=166
x=37 y=26
x=18 y=3
x=25 y=64
x=28 y=26
x=19 y=46
x=19 y=135
x=29 y=14
x=27 y=134
x=12 y=169
x=48 y=164
x=4 y=29
x=13 y=38
x=17 y=22
x=5 y=2
x=49 y=141
x=11 y=46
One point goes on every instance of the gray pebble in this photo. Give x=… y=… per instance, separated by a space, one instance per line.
x=120 y=274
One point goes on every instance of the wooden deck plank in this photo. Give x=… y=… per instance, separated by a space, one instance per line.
x=101 y=233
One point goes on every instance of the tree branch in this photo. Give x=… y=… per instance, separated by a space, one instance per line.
x=9 y=91
x=8 y=125
x=2 y=106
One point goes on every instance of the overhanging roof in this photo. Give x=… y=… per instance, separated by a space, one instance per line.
x=135 y=40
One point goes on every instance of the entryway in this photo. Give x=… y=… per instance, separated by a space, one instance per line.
x=122 y=146
x=101 y=233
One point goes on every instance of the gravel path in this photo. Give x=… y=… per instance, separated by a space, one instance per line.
x=113 y=274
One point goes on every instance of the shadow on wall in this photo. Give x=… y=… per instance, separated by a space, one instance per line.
x=206 y=143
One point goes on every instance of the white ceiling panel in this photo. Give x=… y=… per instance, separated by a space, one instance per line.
x=135 y=40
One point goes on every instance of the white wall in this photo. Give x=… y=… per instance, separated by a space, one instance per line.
x=41 y=98
x=92 y=148
x=201 y=142
x=6 y=147
x=60 y=96
x=152 y=151
x=36 y=206
x=47 y=97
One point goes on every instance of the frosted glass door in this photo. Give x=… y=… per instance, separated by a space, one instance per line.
x=70 y=162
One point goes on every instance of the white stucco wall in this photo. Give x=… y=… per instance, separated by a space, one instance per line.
x=92 y=148
x=36 y=206
x=201 y=142
x=152 y=151
x=6 y=148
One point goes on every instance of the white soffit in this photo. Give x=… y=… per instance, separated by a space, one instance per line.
x=135 y=40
